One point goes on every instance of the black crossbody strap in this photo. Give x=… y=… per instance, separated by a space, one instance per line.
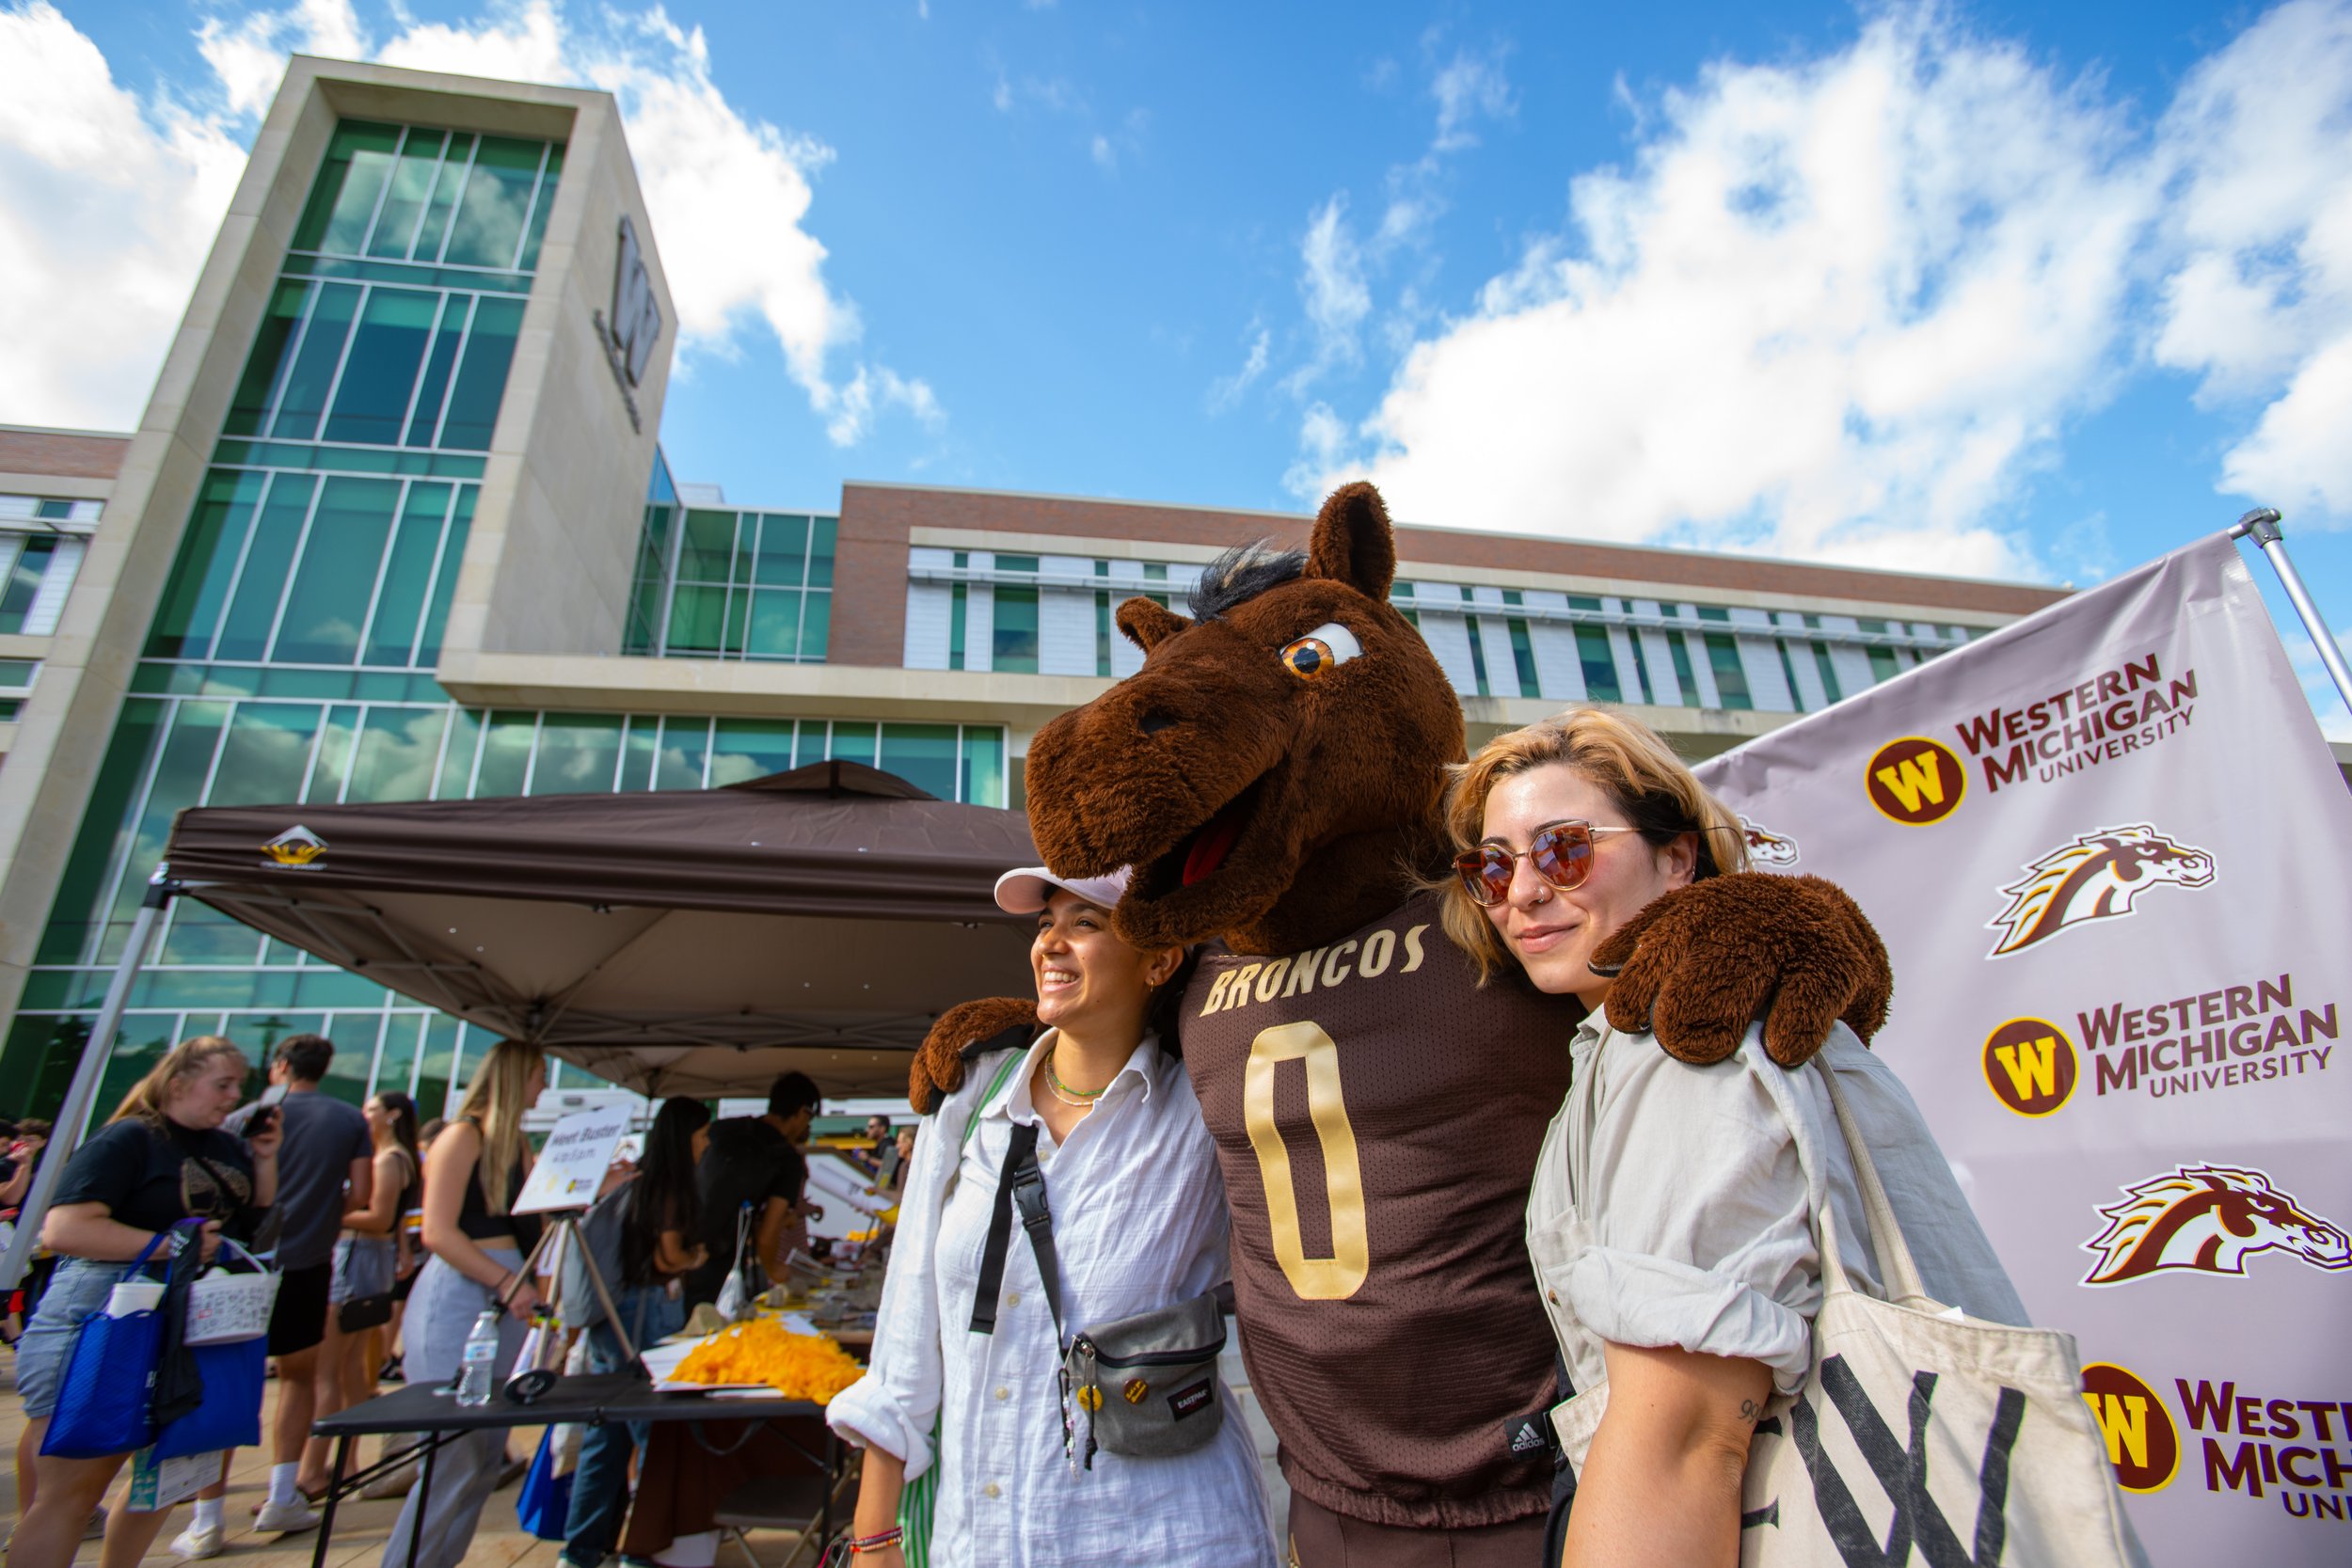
x=1021 y=1149
x=1028 y=1194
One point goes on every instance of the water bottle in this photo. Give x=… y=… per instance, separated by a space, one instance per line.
x=481 y=1360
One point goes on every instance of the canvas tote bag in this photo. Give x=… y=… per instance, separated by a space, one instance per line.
x=1920 y=1434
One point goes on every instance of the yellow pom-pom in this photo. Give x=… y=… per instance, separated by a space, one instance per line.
x=798 y=1366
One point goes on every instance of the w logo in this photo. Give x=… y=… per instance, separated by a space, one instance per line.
x=1901 y=1471
x=2094 y=876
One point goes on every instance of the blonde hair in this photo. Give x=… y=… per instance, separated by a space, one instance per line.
x=147 y=1098
x=1626 y=760
x=494 y=1102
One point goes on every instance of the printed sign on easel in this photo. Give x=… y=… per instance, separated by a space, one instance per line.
x=571 y=1168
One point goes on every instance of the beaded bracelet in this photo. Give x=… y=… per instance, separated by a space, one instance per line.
x=890 y=1537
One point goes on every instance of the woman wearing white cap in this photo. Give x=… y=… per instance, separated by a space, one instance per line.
x=1139 y=1223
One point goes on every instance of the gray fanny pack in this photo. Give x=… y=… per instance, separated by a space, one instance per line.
x=1142 y=1387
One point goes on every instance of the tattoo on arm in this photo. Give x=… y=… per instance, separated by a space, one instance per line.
x=1751 y=1412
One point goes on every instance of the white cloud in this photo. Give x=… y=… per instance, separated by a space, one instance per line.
x=1466 y=88
x=1322 y=438
x=1834 y=308
x=1226 y=390
x=2261 y=304
x=1337 y=269
x=729 y=195
x=1331 y=284
x=107 y=205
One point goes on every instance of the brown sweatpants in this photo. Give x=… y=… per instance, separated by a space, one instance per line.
x=1321 y=1539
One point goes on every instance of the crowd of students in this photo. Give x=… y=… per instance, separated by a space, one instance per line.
x=387 y=1237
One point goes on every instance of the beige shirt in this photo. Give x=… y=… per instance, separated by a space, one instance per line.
x=1673 y=1204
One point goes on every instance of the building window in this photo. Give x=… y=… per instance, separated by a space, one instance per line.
x=1601 y=665
x=1677 y=645
x=26 y=563
x=749 y=585
x=1731 y=676
x=1478 y=656
x=1828 y=668
x=1788 y=673
x=16 y=684
x=1640 y=666
x=1523 y=657
x=1882 y=664
x=1012 y=641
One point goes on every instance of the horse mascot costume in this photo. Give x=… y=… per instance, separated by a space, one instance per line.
x=1273 y=776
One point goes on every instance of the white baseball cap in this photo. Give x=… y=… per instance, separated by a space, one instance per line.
x=1028 y=889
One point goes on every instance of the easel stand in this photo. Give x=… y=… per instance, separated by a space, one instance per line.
x=561 y=1231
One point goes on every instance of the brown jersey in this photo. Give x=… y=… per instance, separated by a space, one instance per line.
x=1377 y=1118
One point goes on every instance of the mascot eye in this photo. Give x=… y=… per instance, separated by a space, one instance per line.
x=1314 y=654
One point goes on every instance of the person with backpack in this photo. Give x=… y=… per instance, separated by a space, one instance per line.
x=658 y=1215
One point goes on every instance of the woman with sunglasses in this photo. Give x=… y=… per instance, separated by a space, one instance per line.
x=1670 y=1222
x=1139 y=1221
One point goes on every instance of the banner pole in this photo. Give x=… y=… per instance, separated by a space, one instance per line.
x=73 y=1115
x=2262 y=525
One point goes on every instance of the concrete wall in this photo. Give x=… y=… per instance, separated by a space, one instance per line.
x=554 y=544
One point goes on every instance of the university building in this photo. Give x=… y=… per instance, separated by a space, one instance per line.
x=395 y=525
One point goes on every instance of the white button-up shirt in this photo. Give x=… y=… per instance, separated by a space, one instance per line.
x=1139 y=1223
x=1671 y=1204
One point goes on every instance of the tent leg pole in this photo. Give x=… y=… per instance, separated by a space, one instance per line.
x=2261 y=524
x=73 y=1115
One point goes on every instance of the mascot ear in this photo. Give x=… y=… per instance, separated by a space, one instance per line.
x=1353 y=543
x=1149 y=623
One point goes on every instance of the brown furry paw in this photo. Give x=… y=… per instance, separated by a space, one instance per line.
x=1699 y=965
x=938 y=1070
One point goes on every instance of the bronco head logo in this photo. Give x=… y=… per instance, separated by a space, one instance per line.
x=1767 y=847
x=2093 y=877
x=2208 y=1218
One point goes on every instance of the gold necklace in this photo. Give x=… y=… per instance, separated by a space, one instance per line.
x=1084 y=1098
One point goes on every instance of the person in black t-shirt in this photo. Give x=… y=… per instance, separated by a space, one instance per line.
x=163 y=1158
x=755 y=1159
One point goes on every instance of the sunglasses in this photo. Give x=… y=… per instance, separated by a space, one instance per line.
x=1561 y=853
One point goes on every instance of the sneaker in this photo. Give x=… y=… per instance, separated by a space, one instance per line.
x=97 y=1528
x=197 y=1540
x=391 y=1372
x=286 y=1518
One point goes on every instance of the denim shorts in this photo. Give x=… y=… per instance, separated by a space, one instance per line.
x=79 y=1288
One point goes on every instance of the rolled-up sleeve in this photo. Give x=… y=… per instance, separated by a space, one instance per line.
x=893 y=1406
x=1694 y=1228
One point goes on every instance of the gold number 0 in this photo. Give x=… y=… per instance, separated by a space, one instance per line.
x=1341 y=1275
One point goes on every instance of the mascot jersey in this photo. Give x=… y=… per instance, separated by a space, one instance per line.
x=1378 y=1119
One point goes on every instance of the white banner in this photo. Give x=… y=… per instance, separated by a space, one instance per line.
x=2107 y=848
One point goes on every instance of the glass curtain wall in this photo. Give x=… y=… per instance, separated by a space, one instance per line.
x=727 y=584
x=291 y=656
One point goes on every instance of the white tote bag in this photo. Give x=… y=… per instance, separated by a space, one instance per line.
x=1920 y=1436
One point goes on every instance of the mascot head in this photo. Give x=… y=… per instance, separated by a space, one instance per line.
x=1273 y=771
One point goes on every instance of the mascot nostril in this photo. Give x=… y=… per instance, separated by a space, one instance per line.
x=1293 y=823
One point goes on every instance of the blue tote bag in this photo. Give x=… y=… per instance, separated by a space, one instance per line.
x=226 y=1376
x=546 y=1499
x=231 y=1413
x=102 y=1400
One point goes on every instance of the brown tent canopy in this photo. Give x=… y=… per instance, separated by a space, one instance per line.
x=684 y=942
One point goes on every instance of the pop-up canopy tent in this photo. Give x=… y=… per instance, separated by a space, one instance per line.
x=687 y=941
x=684 y=942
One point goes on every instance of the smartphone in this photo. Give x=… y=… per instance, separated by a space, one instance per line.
x=262 y=1120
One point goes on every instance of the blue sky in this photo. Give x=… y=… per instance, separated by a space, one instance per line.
x=2015 y=292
